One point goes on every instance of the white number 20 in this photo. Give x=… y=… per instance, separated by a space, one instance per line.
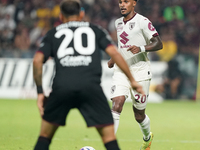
x=64 y=50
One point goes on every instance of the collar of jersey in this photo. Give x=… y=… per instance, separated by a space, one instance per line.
x=129 y=19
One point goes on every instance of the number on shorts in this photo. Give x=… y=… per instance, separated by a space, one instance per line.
x=139 y=98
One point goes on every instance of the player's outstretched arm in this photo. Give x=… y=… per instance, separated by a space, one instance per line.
x=121 y=63
x=37 y=75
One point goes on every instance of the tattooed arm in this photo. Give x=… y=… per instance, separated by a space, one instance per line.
x=37 y=74
x=37 y=68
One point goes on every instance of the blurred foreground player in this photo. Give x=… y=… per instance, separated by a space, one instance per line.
x=136 y=37
x=75 y=46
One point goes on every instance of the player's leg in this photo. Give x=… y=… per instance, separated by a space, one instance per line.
x=139 y=106
x=143 y=121
x=46 y=134
x=118 y=95
x=96 y=111
x=108 y=137
x=117 y=105
x=55 y=112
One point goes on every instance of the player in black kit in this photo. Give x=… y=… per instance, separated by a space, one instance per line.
x=76 y=48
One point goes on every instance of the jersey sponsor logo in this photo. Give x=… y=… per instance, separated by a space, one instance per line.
x=151 y=27
x=124 y=39
x=131 y=25
x=119 y=27
x=125 y=46
x=74 y=61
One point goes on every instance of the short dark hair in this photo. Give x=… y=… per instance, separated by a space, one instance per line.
x=70 y=7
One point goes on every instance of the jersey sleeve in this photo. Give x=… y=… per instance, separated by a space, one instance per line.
x=148 y=28
x=46 y=47
x=104 y=40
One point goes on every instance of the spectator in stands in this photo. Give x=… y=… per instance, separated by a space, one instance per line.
x=56 y=9
x=7 y=26
x=6 y=8
x=40 y=38
x=170 y=48
x=173 y=81
x=55 y=13
x=35 y=34
x=173 y=12
x=22 y=43
x=44 y=16
x=7 y=22
x=25 y=13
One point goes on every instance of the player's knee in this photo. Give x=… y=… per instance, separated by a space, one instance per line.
x=118 y=104
x=107 y=133
x=139 y=120
x=139 y=117
x=117 y=107
x=45 y=135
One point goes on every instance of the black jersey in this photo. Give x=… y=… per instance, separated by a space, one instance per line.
x=76 y=48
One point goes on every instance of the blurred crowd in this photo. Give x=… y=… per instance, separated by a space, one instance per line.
x=23 y=23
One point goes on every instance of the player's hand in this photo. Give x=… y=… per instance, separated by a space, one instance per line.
x=134 y=49
x=110 y=63
x=136 y=86
x=40 y=103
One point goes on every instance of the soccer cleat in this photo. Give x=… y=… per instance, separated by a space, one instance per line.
x=147 y=144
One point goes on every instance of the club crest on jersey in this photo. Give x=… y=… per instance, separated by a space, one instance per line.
x=131 y=25
x=119 y=26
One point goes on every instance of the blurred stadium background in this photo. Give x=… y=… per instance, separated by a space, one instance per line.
x=23 y=23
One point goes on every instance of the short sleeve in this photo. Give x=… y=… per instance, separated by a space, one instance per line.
x=148 y=28
x=104 y=40
x=46 y=47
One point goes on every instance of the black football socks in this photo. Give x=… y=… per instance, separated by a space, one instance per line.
x=42 y=143
x=112 y=145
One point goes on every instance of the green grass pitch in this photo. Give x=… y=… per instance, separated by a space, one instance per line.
x=175 y=124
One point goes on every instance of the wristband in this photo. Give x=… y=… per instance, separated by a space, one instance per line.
x=142 y=48
x=39 y=89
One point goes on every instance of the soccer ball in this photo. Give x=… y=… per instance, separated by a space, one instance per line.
x=87 y=148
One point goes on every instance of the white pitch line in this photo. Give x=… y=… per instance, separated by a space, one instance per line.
x=130 y=140
x=86 y=139
x=127 y=140
x=190 y=141
x=164 y=141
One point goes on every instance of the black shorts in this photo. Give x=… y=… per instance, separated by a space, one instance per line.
x=89 y=100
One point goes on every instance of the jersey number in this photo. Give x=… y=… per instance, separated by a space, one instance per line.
x=64 y=50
